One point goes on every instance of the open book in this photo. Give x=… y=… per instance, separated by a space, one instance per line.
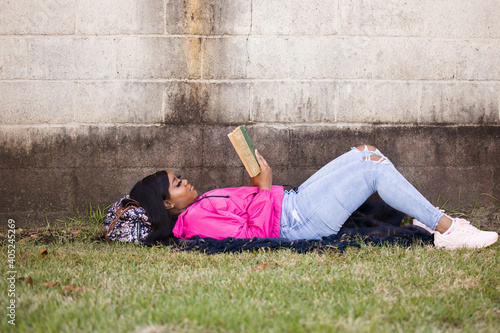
x=245 y=149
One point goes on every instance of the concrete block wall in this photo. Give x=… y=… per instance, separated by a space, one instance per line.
x=94 y=95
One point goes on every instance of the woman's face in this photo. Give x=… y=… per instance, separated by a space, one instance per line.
x=182 y=194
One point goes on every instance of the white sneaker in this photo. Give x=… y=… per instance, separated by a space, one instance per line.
x=423 y=226
x=463 y=234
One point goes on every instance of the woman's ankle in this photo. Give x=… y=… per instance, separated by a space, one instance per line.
x=444 y=224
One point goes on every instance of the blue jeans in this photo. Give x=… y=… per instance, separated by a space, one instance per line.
x=322 y=204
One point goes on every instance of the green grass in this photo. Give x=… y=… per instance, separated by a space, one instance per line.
x=126 y=288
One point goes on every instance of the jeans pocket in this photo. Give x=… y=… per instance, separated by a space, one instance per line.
x=295 y=220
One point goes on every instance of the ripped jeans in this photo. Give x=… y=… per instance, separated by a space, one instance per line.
x=322 y=204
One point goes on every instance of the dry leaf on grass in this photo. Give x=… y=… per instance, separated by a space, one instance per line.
x=73 y=291
x=50 y=284
x=29 y=281
x=258 y=267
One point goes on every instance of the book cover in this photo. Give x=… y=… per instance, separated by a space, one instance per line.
x=246 y=151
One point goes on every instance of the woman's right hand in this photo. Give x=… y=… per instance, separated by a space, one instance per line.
x=264 y=180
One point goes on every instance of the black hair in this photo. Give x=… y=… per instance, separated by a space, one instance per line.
x=150 y=192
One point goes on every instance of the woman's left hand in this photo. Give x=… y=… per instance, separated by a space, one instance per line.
x=264 y=180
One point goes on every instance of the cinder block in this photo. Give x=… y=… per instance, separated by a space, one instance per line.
x=240 y=57
x=474 y=185
x=226 y=102
x=429 y=181
x=417 y=145
x=159 y=147
x=414 y=59
x=35 y=219
x=377 y=102
x=37 y=17
x=123 y=17
x=158 y=58
x=183 y=102
x=293 y=102
x=206 y=179
x=495 y=193
x=103 y=187
x=81 y=147
x=295 y=17
x=273 y=143
x=324 y=57
x=213 y=17
x=292 y=176
x=268 y=57
x=448 y=18
x=478 y=146
x=195 y=102
x=315 y=146
x=42 y=190
x=217 y=150
x=460 y=103
x=478 y=59
x=104 y=58
x=384 y=18
x=224 y=58
x=119 y=102
x=72 y=58
x=13 y=58
x=14 y=144
x=58 y=147
x=36 y=102
x=452 y=187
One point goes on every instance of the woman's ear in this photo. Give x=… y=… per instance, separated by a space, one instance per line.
x=168 y=204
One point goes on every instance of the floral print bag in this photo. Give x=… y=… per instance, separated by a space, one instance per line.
x=126 y=221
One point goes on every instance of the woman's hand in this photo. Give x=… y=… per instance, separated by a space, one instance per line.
x=264 y=179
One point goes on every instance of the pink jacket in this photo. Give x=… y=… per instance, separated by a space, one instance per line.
x=241 y=212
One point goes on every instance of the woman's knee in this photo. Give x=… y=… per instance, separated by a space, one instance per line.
x=375 y=155
x=366 y=148
x=375 y=158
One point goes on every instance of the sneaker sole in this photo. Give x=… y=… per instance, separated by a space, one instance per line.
x=467 y=247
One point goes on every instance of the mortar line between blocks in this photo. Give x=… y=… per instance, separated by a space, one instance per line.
x=227 y=36
x=245 y=80
x=258 y=124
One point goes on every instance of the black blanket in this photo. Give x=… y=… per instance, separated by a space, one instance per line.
x=374 y=222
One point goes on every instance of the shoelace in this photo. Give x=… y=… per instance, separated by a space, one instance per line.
x=465 y=226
